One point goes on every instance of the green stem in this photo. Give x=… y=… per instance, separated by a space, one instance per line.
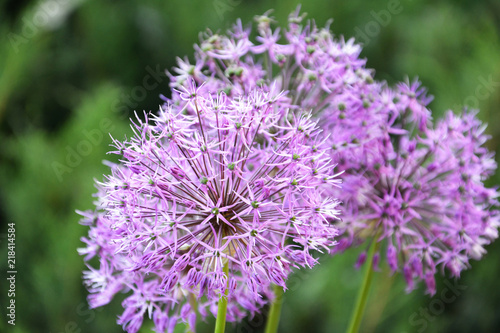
x=357 y=314
x=274 y=314
x=220 y=322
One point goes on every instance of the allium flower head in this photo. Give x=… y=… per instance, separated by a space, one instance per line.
x=423 y=193
x=214 y=194
x=317 y=72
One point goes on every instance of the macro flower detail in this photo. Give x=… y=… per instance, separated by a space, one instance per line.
x=235 y=181
x=424 y=194
x=213 y=195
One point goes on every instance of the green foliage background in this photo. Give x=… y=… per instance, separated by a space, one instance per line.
x=59 y=79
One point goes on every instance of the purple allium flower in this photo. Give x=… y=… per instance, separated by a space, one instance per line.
x=210 y=182
x=317 y=73
x=417 y=186
x=421 y=188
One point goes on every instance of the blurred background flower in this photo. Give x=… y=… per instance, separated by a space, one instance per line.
x=73 y=71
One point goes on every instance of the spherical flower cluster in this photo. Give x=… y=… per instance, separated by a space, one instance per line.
x=417 y=186
x=318 y=73
x=214 y=195
x=423 y=193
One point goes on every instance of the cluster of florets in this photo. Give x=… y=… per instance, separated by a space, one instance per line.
x=422 y=190
x=317 y=72
x=417 y=186
x=214 y=195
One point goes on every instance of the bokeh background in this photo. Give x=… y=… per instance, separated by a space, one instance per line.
x=72 y=70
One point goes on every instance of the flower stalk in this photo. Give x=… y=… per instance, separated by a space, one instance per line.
x=362 y=299
x=275 y=312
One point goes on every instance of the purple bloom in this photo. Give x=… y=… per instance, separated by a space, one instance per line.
x=210 y=181
x=423 y=193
